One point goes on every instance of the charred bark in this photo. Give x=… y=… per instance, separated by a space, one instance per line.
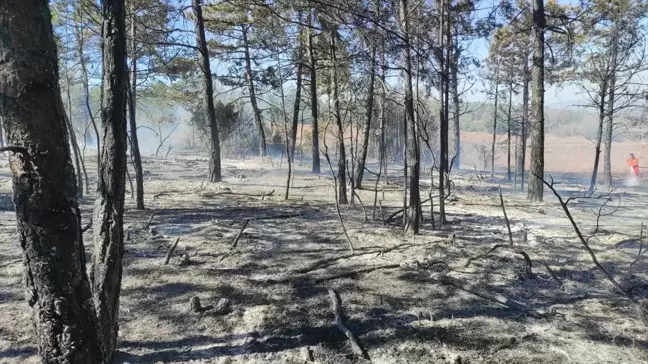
x=525 y=123
x=57 y=288
x=313 y=94
x=132 y=108
x=109 y=207
x=495 y=120
x=297 y=103
x=362 y=155
x=599 y=135
x=342 y=194
x=413 y=157
x=607 y=157
x=208 y=93
x=536 y=188
x=249 y=78
x=508 y=129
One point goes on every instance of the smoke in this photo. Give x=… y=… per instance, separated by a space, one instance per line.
x=631 y=180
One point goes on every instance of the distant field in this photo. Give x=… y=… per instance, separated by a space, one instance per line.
x=572 y=154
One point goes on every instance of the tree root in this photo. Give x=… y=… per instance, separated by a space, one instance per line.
x=529 y=265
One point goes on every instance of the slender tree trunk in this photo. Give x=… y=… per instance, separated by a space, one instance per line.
x=607 y=157
x=497 y=70
x=508 y=129
x=313 y=95
x=525 y=123
x=446 y=119
x=86 y=90
x=2 y=143
x=47 y=214
x=383 y=102
x=413 y=153
x=443 y=130
x=342 y=194
x=132 y=108
x=249 y=78
x=536 y=186
x=599 y=135
x=297 y=103
x=208 y=93
x=362 y=155
x=456 y=54
x=75 y=145
x=109 y=206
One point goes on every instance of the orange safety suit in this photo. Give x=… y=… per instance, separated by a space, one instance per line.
x=634 y=165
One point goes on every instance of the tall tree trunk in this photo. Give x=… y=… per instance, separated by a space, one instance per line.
x=313 y=95
x=362 y=155
x=381 y=110
x=86 y=91
x=132 y=108
x=342 y=194
x=497 y=70
x=508 y=128
x=456 y=54
x=249 y=78
x=75 y=145
x=443 y=129
x=607 y=157
x=109 y=207
x=446 y=119
x=44 y=186
x=2 y=143
x=536 y=177
x=297 y=103
x=413 y=154
x=208 y=93
x=599 y=135
x=525 y=123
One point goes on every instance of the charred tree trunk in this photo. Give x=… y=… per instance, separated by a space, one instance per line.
x=132 y=108
x=86 y=92
x=297 y=103
x=495 y=120
x=381 y=108
x=342 y=194
x=208 y=93
x=599 y=134
x=525 y=123
x=249 y=78
x=536 y=177
x=109 y=207
x=456 y=54
x=508 y=128
x=313 y=94
x=362 y=155
x=443 y=122
x=607 y=157
x=75 y=146
x=413 y=154
x=47 y=213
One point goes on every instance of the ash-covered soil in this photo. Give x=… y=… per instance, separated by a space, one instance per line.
x=290 y=252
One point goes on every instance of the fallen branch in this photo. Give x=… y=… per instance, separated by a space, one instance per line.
x=148 y=223
x=171 y=250
x=362 y=205
x=508 y=224
x=391 y=217
x=212 y=194
x=493 y=297
x=355 y=272
x=328 y=261
x=624 y=292
x=640 y=248
x=553 y=275
x=238 y=236
x=529 y=265
x=337 y=202
x=336 y=306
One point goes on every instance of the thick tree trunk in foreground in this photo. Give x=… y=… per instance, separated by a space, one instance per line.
x=132 y=107
x=443 y=117
x=48 y=218
x=599 y=135
x=109 y=207
x=342 y=194
x=249 y=78
x=413 y=157
x=313 y=94
x=297 y=103
x=362 y=156
x=536 y=177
